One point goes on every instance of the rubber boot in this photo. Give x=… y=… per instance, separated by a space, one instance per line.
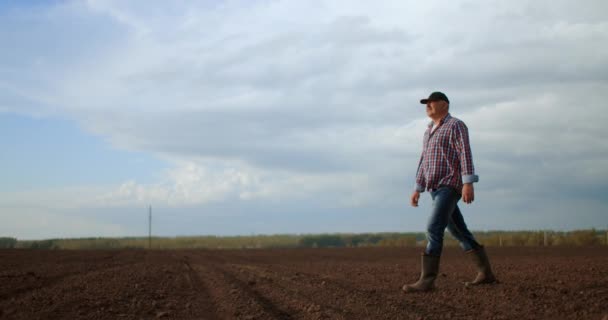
x=484 y=270
x=430 y=268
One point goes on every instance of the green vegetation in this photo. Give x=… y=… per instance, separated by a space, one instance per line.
x=359 y=240
x=489 y=238
x=544 y=238
x=7 y=243
x=212 y=242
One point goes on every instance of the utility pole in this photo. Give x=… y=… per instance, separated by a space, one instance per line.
x=546 y=240
x=150 y=227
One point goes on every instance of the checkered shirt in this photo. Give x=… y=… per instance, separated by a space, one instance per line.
x=446 y=158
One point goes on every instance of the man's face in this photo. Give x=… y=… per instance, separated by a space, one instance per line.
x=435 y=109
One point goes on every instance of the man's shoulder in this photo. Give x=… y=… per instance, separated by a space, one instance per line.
x=453 y=121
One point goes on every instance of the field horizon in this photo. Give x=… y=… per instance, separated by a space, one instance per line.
x=497 y=238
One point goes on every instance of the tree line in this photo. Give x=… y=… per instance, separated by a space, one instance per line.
x=590 y=237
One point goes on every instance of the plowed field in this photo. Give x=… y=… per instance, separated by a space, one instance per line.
x=362 y=283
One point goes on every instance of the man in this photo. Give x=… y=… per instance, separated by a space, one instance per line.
x=446 y=170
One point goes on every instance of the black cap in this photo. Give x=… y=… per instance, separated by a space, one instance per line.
x=435 y=96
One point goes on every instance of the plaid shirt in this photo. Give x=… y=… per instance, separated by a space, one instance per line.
x=446 y=158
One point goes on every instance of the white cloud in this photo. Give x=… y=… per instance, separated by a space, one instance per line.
x=204 y=182
x=314 y=101
x=200 y=182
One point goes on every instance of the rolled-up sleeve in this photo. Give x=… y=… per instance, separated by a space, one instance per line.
x=465 y=156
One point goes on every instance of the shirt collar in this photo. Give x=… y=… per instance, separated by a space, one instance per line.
x=444 y=119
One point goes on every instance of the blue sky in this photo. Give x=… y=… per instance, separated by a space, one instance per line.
x=248 y=117
x=51 y=152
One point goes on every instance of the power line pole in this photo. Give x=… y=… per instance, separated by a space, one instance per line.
x=150 y=227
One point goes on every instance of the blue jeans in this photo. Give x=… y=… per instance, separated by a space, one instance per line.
x=446 y=214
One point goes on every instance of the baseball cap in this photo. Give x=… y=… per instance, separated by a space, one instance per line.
x=436 y=96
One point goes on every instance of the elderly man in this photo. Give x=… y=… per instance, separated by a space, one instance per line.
x=446 y=171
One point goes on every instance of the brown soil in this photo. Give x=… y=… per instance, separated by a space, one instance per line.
x=363 y=283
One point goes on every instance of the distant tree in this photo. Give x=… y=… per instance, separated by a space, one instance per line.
x=308 y=242
x=585 y=237
x=43 y=244
x=322 y=241
x=7 y=242
x=330 y=241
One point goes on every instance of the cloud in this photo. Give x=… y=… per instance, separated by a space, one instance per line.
x=259 y=101
x=204 y=182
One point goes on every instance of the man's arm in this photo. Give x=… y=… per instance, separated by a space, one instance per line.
x=420 y=180
x=465 y=157
x=420 y=183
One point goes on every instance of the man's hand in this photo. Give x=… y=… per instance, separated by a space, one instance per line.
x=468 y=194
x=414 y=198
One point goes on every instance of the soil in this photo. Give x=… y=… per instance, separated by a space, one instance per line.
x=344 y=283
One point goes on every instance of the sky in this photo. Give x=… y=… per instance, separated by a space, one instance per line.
x=266 y=117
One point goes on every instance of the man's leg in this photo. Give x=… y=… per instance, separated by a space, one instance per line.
x=484 y=269
x=444 y=204
x=458 y=228
x=460 y=231
x=444 y=201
